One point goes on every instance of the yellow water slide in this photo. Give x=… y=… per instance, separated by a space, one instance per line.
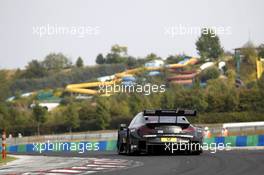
x=91 y=88
x=259 y=68
x=191 y=61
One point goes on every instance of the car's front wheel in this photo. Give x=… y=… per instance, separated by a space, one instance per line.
x=119 y=149
x=129 y=150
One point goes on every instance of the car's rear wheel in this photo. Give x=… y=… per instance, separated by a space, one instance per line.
x=129 y=151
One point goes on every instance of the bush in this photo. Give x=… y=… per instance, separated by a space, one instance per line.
x=210 y=73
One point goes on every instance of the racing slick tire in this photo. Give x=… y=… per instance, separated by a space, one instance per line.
x=120 y=148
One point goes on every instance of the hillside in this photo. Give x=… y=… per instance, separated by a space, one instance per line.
x=59 y=96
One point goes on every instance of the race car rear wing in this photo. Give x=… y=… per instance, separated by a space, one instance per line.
x=171 y=112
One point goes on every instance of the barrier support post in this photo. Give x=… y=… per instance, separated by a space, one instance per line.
x=4 y=145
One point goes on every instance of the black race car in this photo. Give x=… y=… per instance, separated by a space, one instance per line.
x=160 y=129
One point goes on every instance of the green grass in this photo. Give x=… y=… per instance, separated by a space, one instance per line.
x=8 y=159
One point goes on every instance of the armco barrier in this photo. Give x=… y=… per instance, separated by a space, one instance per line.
x=80 y=147
x=237 y=141
x=110 y=145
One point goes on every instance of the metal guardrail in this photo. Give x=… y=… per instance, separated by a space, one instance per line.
x=216 y=129
x=63 y=138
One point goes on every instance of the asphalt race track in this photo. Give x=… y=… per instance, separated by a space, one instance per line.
x=236 y=162
x=224 y=163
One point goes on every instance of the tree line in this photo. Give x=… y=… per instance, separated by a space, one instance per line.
x=220 y=101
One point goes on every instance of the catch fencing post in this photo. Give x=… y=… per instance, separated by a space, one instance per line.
x=4 y=145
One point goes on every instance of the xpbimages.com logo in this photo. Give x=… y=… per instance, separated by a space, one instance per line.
x=145 y=89
x=79 y=147
x=59 y=30
x=184 y=30
x=193 y=147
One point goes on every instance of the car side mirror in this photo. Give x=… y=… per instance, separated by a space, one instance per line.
x=122 y=126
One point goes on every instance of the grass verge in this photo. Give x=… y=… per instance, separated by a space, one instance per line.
x=8 y=159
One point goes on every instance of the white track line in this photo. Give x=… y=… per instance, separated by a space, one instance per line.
x=111 y=166
x=69 y=171
x=92 y=165
x=101 y=163
x=80 y=168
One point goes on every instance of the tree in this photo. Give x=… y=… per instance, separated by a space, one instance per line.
x=208 y=45
x=79 y=62
x=261 y=92
x=57 y=62
x=250 y=55
x=119 y=50
x=118 y=54
x=210 y=73
x=39 y=114
x=4 y=85
x=113 y=58
x=174 y=59
x=4 y=115
x=119 y=106
x=103 y=113
x=35 y=69
x=231 y=76
x=87 y=116
x=167 y=100
x=261 y=86
x=132 y=62
x=100 y=59
x=136 y=103
x=261 y=51
x=152 y=56
x=221 y=97
x=72 y=117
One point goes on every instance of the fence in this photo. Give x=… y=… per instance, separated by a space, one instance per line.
x=216 y=129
